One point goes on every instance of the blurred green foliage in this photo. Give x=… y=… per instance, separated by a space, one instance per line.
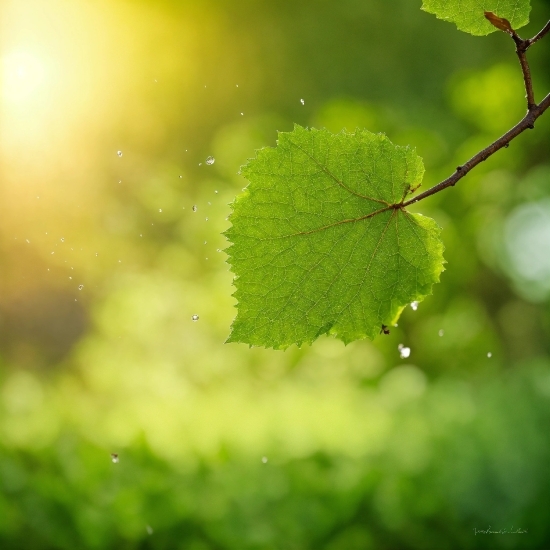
x=221 y=446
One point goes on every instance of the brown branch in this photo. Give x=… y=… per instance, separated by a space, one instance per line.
x=521 y=51
x=528 y=122
x=540 y=35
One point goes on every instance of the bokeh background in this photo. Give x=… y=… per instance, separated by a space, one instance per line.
x=104 y=262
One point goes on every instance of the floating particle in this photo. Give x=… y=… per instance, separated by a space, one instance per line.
x=216 y=191
x=489 y=355
x=80 y=287
x=195 y=208
x=195 y=317
x=404 y=352
x=62 y=239
x=119 y=153
x=181 y=177
x=441 y=332
x=160 y=210
x=28 y=242
x=206 y=219
x=302 y=102
x=149 y=529
x=210 y=161
x=264 y=459
x=114 y=458
x=414 y=306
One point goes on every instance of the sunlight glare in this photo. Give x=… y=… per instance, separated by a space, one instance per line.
x=22 y=74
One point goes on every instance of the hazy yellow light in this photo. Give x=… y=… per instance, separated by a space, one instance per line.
x=22 y=74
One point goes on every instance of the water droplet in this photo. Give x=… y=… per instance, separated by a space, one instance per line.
x=114 y=458
x=195 y=208
x=62 y=239
x=441 y=332
x=119 y=153
x=302 y=102
x=489 y=355
x=80 y=287
x=149 y=529
x=210 y=161
x=160 y=210
x=195 y=317
x=404 y=352
x=264 y=459
x=414 y=306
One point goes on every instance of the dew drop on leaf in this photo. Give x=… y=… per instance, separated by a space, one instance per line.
x=210 y=161
x=195 y=317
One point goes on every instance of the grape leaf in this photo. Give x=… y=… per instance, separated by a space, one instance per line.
x=320 y=243
x=468 y=15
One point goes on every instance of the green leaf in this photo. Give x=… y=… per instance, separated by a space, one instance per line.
x=469 y=15
x=320 y=243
